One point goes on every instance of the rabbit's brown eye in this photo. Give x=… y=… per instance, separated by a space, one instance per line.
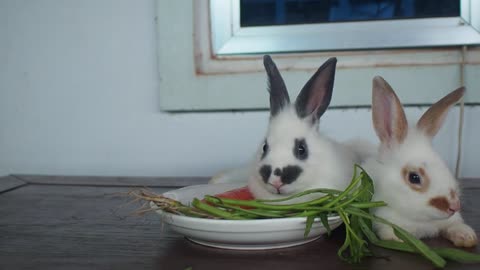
x=414 y=178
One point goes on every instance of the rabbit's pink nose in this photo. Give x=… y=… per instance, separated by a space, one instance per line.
x=454 y=205
x=277 y=183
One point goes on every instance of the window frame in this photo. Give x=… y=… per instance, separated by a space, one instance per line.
x=193 y=79
x=229 y=38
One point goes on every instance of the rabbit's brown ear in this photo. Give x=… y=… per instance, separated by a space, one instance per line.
x=387 y=113
x=315 y=96
x=276 y=87
x=432 y=120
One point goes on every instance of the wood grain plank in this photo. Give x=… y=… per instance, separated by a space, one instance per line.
x=10 y=182
x=82 y=227
x=470 y=183
x=112 y=181
x=71 y=227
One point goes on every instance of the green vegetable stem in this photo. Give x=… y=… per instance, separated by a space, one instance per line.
x=352 y=205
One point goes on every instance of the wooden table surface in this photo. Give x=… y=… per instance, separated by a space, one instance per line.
x=52 y=222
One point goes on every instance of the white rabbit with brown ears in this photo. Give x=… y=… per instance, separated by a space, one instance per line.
x=423 y=196
x=294 y=156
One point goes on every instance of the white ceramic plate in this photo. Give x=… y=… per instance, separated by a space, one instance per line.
x=239 y=234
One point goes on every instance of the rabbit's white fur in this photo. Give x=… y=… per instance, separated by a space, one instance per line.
x=329 y=164
x=282 y=169
x=408 y=208
x=363 y=149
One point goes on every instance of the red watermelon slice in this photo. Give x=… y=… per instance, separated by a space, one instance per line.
x=237 y=194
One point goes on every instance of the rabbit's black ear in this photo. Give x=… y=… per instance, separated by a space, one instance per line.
x=276 y=87
x=315 y=96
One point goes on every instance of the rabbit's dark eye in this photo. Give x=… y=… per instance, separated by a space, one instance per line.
x=265 y=149
x=300 y=149
x=414 y=178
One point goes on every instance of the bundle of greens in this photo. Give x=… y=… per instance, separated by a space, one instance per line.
x=352 y=205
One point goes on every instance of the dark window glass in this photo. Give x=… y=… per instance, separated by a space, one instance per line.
x=283 y=12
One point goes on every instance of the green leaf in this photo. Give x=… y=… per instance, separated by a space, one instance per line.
x=253 y=213
x=346 y=243
x=212 y=210
x=366 y=184
x=458 y=255
x=452 y=254
x=308 y=227
x=324 y=220
x=408 y=238
x=367 y=205
x=306 y=192
x=353 y=184
x=366 y=226
x=421 y=247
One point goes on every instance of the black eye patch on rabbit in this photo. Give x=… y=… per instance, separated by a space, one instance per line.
x=287 y=174
x=300 y=150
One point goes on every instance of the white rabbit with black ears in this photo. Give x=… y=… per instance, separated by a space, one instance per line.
x=294 y=156
x=421 y=192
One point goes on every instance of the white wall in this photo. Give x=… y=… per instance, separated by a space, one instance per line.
x=79 y=96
